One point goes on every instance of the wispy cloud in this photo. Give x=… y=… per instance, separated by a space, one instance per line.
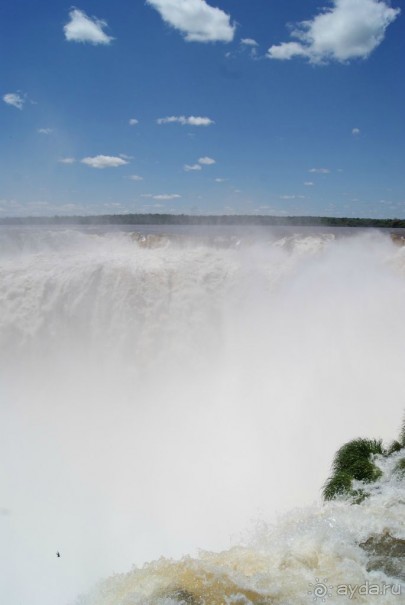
x=14 y=99
x=251 y=45
x=82 y=28
x=355 y=132
x=67 y=160
x=320 y=170
x=167 y=196
x=135 y=177
x=203 y=161
x=220 y=180
x=206 y=161
x=308 y=184
x=146 y=207
x=196 y=20
x=163 y=197
x=249 y=42
x=104 y=161
x=186 y=121
x=45 y=130
x=133 y=122
x=10 y=206
x=350 y=29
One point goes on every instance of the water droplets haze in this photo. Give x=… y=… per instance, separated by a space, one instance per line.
x=159 y=393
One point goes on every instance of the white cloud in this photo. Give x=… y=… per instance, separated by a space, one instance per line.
x=167 y=196
x=350 y=29
x=219 y=180
x=286 y=50
x=206 y=161
x=104 y=161
x=126 y=157
x=67 y=160
x=82 y=28
x=355 y=132
x=10 y=206
x=133 y=122
x=146 y=207
x=162 y=196
x=320 y=170
x=186 y=121
x=197 y=20
x=308 y=184
x=199 y=121
x=135 y=177
x=14 y=99
x=249 y=42
x=45 y=130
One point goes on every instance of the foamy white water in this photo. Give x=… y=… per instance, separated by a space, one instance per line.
x=159 y=394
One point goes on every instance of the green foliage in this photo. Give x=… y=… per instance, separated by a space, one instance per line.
x=394 y=447
x=399 y=468
x=402 y=435
x=365 y=470
x=338 y=484
x=357 y=450
x=353 y=461
x=227 y=219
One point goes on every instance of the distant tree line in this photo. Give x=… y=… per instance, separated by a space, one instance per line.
x=227 y=219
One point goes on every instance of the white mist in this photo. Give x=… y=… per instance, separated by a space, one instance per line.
x=155 y=400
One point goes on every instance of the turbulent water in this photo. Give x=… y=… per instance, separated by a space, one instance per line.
x=161 y=394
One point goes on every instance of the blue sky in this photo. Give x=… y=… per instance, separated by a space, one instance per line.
x=203 y=106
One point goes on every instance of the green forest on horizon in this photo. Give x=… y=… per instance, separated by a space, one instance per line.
x=185 y=219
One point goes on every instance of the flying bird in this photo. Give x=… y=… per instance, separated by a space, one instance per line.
x=58 y=554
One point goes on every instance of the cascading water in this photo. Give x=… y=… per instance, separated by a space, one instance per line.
x=158 y=394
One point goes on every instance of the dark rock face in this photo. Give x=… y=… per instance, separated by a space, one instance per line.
x=398 y=238
x=386 y=554
x=184 y=597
